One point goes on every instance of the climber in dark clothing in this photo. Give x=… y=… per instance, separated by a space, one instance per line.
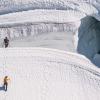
x=6 y=42
x=5 y=85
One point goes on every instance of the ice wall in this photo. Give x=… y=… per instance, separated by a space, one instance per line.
x=89 y=37
x=34 y=29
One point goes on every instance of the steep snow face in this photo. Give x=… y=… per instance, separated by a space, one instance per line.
x=44 y=74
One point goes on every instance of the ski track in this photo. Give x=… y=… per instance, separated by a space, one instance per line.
x=46 y=74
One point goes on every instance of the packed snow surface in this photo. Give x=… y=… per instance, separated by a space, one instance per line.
x=45 y=74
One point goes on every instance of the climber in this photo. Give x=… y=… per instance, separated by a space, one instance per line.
x=6 y=42
x=5 y=85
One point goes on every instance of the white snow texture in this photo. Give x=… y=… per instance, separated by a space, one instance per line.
x=44 y=74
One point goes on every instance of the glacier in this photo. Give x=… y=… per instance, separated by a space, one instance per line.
x=23 y=18
x=54 y=51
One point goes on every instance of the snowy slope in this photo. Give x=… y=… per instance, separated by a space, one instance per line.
x=44 y=74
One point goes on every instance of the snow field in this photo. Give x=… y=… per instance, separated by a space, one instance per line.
x=46 y=74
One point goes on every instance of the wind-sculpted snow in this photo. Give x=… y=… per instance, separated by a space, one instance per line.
x=44 y=74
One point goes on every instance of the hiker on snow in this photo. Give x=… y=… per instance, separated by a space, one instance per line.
x=6 y=42
x=6 y=79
